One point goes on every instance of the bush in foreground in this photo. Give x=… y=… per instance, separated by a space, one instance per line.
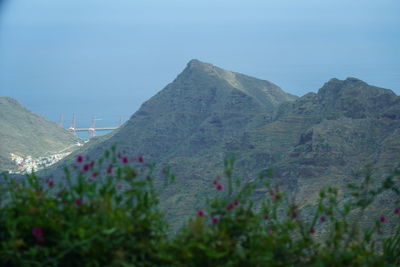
x=100 y=213
x=105 y=213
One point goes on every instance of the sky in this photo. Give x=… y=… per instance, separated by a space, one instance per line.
x=105 y=58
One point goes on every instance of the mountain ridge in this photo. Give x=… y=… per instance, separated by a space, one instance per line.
x=202 y=117
x=238 y=81
x=199 y=97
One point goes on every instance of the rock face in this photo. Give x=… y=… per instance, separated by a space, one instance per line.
x=208 y=113
x=201 y=108
x=26 y=134
x=324 y=138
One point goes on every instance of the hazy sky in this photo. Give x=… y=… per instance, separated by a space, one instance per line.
x=105 y=58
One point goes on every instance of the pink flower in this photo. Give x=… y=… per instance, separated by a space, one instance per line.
x=397 y=211
x=382 y=219
x=38 y=233
x=50 y=183
x=78 y=201
x=236 y=203
x=214 y=220
x=201 y=213
x=266 y=217
x=215 y=182
x=125 y=160
x=140 y=159
x=220 y=187
x=312 y=231
x=79 y=158
x=230 y=206
x=86 y=167
x=94 y=174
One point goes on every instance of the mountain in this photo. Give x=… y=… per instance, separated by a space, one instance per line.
x=27 y=136
x=187 y=124
x=325 y=138
x=201 y=108
x=208 y=113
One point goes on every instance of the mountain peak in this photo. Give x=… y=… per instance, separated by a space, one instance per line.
x=197 y=64
x=350 y=81
x=335 y=87
x=353 y=86
x=199 y=75
x=355 y=98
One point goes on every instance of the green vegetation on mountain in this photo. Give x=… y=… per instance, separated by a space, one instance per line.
x=24 y=133
x=207 y=114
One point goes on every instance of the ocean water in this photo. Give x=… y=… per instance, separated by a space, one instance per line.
x=85 y=135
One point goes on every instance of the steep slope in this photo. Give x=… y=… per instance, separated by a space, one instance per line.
x=24 y=133
x=187 y=124
x=208 y=113
x=201 y=108
x=325 y=138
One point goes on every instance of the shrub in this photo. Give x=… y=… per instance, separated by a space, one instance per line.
x=105 y=213
x=100 y=213
x=231 y=231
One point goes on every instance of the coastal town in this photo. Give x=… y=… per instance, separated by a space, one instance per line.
x=29 y=164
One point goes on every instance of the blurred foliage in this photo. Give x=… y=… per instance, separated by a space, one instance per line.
x=105 y=213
